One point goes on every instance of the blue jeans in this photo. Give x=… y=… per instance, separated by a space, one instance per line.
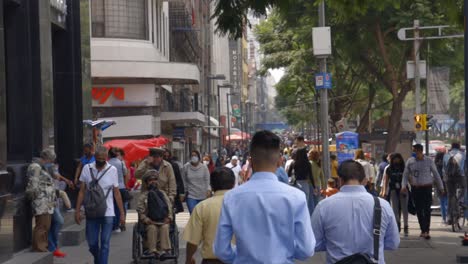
x=95 y=228
x=55 y=226
x=308 y=190
x=117 y=212
x=191 y=203
x=443 y=207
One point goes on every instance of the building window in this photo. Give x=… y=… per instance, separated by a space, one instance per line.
x=119 y=19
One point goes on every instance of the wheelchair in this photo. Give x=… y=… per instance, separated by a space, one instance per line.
x=138 y=252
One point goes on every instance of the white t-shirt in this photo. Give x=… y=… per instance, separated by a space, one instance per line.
x=236 y=171
x=110 y=180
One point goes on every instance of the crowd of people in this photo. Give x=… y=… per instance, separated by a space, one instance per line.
x=274 y=200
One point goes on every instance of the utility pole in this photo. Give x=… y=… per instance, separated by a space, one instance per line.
x=466 y=73
x=324 y=104
x=417 y=77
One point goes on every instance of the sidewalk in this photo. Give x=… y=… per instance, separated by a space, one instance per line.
x=121 y=245
x=442 y=248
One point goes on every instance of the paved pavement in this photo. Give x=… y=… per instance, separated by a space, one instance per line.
x=442 y=248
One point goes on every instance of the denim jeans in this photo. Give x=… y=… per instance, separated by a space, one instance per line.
x=308 y=190
x=117 y=212
x=191 y=203
x=98 y=234
x=443 y=207
x=55 y=226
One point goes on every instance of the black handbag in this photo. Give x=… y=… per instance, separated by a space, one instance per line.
x=364 y=258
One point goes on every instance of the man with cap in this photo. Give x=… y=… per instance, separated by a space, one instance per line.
x=156 y=231
x=235 y=167
x=166 y=179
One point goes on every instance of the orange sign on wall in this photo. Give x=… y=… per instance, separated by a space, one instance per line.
x=102 y=94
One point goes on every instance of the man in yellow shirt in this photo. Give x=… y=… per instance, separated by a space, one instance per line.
x=203 y=223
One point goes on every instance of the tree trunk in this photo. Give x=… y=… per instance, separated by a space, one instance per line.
x=364 y=122
x=394 y=124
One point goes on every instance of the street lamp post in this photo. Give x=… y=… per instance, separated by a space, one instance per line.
x=209 y=78
x=219 y=111
x=229 y=116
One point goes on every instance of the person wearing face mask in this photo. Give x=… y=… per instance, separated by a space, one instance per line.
x=196 y=181
x=41 y=192
x=178 y=206
x=392 y=180
x=155 y=214
x=208 y=161
x=166 y=181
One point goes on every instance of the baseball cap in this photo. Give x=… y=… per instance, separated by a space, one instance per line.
x=235 y=158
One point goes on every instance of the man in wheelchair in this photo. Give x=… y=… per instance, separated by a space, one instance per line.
x=155 y=213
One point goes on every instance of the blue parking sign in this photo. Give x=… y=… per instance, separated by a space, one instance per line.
x=323 y=81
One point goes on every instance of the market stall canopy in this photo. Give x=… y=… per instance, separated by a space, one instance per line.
x=237 y=136
x=136 y=149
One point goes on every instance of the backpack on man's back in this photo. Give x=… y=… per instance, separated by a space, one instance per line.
x=453 y=170
x=95 y=202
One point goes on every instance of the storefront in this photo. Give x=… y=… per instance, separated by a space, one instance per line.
x=41 y=101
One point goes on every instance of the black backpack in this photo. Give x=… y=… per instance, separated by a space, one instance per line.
x=453 y=170
x=158 y=209
x=95 y=200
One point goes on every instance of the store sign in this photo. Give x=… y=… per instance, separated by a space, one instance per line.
x=102 y=94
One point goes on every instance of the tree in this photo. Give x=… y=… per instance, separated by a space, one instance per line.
x=364 y=34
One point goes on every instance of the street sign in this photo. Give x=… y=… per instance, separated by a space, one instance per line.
x=323 y=81
x=410 y=69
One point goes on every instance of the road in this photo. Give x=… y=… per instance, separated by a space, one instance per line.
x=443 y=247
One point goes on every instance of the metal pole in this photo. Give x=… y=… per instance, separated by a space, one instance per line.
x=417 y=78
x=219 y=119
x=209 y=115
x=324 y=104
x=466 y=74
x=228 y=118
x=427 y=104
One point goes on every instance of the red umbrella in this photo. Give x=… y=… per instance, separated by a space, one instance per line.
x=136 y=149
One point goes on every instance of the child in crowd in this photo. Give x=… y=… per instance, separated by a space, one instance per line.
x=331 y=190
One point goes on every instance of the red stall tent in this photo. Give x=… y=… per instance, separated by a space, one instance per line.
x=136 y=149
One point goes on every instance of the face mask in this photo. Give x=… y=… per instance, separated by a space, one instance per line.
x=152 y=186
x=413 y=154
x=194 y=159
x=100 y=163
x=206 y=162
x=48 y=165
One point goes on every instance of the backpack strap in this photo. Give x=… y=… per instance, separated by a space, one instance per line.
x=376 y=227
x=104 y=173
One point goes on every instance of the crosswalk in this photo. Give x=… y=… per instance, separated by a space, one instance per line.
x=181 y=218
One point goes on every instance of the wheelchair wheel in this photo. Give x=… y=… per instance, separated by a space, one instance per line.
x=136 y=245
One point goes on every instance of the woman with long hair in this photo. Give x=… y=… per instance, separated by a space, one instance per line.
x=301 y=170
x=393 y=178
x=196 y=181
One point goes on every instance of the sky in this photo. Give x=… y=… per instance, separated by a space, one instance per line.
x=277 y=74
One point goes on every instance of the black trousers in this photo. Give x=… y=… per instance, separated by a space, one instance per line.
x=423 y=199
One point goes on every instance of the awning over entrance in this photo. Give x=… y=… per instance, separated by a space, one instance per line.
x=157 y=72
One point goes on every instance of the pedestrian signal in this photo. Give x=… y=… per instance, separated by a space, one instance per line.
x=419 y=122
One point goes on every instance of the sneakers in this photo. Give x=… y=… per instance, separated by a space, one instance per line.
x=117 y=230
x=59 y=254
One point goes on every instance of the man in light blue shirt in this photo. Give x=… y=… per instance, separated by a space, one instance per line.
x=268 y=218
x=343 y=223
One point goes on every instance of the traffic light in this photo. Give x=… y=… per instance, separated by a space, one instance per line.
x=427 y=121
x=419 y=122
